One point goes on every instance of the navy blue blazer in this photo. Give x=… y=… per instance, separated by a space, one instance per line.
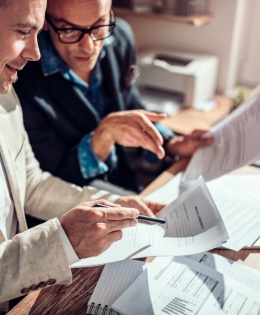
x=57 y=115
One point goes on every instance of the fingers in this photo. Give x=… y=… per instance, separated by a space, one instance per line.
x=198 y=133
x=113 y=226
x=115 y=214
x=145 y=210
x=154 y=117
x=146 y=207
x=99 y=245
x=101 y=202
x=146 y=126
x=203 y=142
x=146 y=142
x=155 y=206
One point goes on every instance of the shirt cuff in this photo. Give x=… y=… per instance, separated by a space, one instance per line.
x=71 y=255
x=90 y=165
x=164 y=131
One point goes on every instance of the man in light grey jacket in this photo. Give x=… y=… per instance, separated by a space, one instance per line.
x=39 y=257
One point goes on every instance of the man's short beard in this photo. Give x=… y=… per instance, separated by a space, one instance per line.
x=14 y=78
x=3 y=87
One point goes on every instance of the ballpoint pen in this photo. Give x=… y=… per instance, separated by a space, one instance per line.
x=140 y=217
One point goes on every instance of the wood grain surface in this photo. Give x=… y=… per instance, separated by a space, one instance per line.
x=73 y=299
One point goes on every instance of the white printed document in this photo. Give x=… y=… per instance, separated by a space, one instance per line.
x=243 y=274
x=134 y=240
x=192 y=223
x=114 y=280
x=170 y=280
x=236 y=144
x=237 y=197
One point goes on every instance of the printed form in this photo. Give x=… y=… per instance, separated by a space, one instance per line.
x=114 y=280
x=237 y=199
x=236 y=144
x=193 y=225
x=243 y=274
x=134 y=240
x=173 y=282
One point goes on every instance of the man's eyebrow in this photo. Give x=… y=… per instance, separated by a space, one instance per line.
x=61 y=20
x=25 y=25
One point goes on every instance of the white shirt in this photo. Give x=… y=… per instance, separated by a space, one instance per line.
x=8 y=219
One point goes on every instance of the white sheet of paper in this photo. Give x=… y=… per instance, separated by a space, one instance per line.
x=236 y=144
x=237 y=197
x=243 y=274
x=168 y=192
x=134 y=240
x=167 y=275
x=114 y=280
x=192 y=224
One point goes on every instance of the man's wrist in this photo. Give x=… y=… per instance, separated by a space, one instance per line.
x=169 y=147
x=102 y=144
x=69 y=250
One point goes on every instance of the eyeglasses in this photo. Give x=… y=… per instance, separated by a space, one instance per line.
x=75 y=34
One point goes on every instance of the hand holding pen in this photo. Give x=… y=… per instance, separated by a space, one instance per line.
x=92 y=230
x=140 y=217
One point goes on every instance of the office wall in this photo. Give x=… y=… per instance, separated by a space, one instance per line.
x=219 y=37
x=249 y=67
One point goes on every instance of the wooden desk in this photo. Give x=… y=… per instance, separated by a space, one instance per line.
x=73 y=299
x=189 y=119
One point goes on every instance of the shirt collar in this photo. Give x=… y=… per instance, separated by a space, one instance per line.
x=51 y=61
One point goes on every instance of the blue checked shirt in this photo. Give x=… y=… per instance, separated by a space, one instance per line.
x=90 y=164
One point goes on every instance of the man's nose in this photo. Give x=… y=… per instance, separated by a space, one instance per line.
x=87 y=44
x=31 y=51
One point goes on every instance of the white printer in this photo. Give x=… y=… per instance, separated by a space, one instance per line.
x=192 y=75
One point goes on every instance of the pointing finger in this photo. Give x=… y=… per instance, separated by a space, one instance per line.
x=115 y=214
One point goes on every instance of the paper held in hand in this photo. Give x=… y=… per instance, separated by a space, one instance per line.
x=193 y=225
x=236 y=144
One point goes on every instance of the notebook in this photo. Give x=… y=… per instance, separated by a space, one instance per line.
x=114 y=280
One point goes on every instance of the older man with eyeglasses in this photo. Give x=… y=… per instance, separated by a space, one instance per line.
x=81 y=104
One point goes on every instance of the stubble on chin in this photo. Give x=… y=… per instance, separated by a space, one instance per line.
x=14 y=78
x=6 y=86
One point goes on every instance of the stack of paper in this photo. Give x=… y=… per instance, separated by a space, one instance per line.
x=201 y=284
x=237 y=198
x=193 y=225
x=114 y=280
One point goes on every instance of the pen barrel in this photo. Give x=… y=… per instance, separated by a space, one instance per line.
x=150 y=219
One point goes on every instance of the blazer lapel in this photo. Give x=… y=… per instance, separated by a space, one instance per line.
x=12 y=179
x=67 y=94
x=111 y=73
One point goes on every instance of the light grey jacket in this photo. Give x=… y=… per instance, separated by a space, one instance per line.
x=34 y=256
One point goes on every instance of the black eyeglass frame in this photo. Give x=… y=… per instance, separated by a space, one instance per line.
x=83 y=31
